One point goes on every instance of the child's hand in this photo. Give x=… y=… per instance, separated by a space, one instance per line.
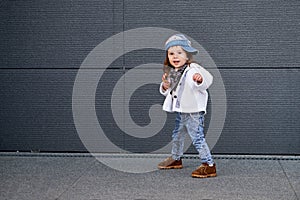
x=198 y=78
x=166 y=83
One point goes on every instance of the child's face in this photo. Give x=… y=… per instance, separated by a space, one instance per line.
x=177 y=56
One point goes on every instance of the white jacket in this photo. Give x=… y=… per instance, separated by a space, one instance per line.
x=189 y=96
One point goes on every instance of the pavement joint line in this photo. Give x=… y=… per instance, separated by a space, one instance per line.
x=137 y=155
x=288 y=179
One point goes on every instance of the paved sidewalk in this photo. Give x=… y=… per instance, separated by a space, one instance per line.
x=82 y=177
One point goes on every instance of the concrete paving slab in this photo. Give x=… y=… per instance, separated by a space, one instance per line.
x=39 y=177
x=292 y=170
x=86 y=178
x=254 y=180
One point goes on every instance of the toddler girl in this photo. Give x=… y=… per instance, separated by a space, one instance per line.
x=184 y=84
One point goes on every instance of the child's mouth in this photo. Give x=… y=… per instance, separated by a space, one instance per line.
x=176 y=62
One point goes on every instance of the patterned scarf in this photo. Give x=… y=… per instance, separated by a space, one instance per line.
x=174 y=76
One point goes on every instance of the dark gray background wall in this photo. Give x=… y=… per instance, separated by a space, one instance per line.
x=255 y=45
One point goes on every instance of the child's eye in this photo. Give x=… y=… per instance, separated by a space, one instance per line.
x=171 y=53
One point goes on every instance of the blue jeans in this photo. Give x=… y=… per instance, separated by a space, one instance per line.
x=193 y=124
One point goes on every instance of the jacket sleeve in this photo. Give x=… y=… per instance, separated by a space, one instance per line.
x=206 y=76
x=163 y=92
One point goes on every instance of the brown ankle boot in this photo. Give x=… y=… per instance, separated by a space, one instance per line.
x=170 y=163
x=205 y=171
